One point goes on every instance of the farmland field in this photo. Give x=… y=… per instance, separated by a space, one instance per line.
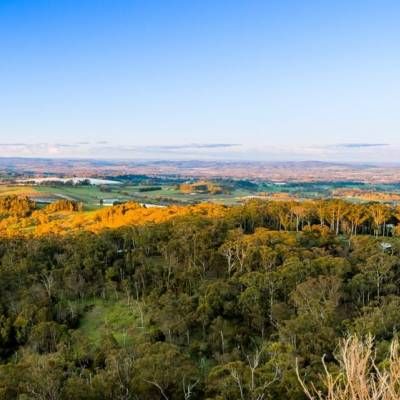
x=93 y=196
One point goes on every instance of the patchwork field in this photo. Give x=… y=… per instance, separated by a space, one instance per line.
x=93 y=196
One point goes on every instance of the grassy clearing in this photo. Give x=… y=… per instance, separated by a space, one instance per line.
x=110 y=317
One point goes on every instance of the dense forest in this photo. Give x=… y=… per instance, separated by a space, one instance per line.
x=204 y=302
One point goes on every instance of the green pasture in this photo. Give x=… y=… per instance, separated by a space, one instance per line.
x=90 y=196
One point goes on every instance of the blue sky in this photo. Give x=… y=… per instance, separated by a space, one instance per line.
x=265 y=80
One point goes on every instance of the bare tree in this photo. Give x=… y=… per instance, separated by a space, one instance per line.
x=188 y=388
x=48 y=282
x=228 y=251
x=236 y=378
x=254 y=362
x=159 y=387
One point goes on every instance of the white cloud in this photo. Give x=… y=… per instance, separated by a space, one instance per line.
x=334 y=152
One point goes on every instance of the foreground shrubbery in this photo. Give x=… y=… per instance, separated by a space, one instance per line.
x=359 y=377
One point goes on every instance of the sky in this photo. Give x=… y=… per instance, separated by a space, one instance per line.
x=200 y=79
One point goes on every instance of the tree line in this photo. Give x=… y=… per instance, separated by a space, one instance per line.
x=21 y=216
x=339 y=216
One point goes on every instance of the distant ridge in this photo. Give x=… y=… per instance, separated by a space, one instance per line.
x=274 y=171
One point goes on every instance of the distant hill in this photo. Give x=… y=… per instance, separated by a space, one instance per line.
x=282 y=171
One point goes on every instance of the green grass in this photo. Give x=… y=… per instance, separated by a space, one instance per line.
x=110 y=317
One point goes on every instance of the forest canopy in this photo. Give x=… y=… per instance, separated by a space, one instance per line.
x=201 y=302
